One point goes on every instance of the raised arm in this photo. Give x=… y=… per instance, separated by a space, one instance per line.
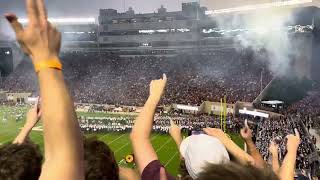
x=288 y=166
x=273 y=148
x=140 y=135
x=62 y=138
x=246 y=134
x=231 y=147
x=33 y=117
x=175 y=133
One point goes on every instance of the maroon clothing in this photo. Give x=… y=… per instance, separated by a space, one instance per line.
x=152 y=171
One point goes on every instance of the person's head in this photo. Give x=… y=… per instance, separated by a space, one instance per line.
x=100 y=162
x=233 y=171
x=20 y=161
x=198 y=150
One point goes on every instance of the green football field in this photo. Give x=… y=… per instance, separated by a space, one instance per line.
x=119 y=142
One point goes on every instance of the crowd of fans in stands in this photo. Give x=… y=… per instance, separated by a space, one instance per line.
x=161 y=123
x=105 y=78
x=277 y=130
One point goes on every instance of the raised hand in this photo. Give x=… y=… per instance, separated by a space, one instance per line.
x=39 y=39
x=246 y=132
x=33 y=116
x=215 y=132
x=157 y=88
x=273 y=148
x=175 y=133
x=293 y=141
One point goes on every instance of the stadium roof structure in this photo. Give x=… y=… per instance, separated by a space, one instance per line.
x=272 y=102
x=261 y=6
x=66 y=21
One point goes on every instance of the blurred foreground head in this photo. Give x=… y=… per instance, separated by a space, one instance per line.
x=20 y=161
x=233 y=171
x=199 y=150
x=100 y=162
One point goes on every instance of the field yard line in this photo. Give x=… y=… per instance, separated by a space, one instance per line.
x=104 y=135
x=9 y=130
x=171 y=159
x=116 y=139
x=129 y=143
x=8 y=135
x=163 y=145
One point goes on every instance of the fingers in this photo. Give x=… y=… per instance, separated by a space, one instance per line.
x=207 y=131
x=13 y=20
x=172 y=123
x=32 y=12
x=164 y=77
x=39 y=113
x=36 y=105
x=296 y=132
x=242 y=131
x=246 y=123
x=43 y=16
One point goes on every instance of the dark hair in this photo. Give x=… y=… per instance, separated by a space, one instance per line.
x=233 y=171
x=100 y=162
x=20 y=161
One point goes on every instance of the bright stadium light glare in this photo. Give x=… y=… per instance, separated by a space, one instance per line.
x=66 y=20
x=259 y=6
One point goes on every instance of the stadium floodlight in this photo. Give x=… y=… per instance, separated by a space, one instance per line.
x=259 y=6
x=65 y=20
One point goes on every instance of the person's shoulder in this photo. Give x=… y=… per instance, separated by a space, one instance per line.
x=152 y=171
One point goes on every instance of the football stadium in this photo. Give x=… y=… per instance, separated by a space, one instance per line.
x=240 y=91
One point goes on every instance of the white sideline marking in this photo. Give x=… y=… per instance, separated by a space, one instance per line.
x=116 y=139
x=129 y=143
x=163 y=145
x=171 y=159
x=104 y=135
x=37 y=128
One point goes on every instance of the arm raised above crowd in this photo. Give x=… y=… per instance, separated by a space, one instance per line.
x=246 y=134
x=33 y=117
x=62 y=137
x=273 y=148
x=231 y=147
x=287 y=168
x=140 y=135
x=175 y=133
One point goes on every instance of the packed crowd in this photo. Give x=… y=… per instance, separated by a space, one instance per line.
x=161 y=123
x=210 y=155
x=105 y=78
x=106 y=124
x=308 y=108
x=277 y=130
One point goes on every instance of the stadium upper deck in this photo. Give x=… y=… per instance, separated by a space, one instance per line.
x=173 y=32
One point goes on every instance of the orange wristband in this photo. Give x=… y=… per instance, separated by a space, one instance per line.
x=54 y=64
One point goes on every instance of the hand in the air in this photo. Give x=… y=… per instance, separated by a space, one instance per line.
x=175 y=130
x=246 y=132
x=157 y=88
x=215 y=132
x=293 y=141
x=39 y=39
x=273 y=148
x=33 y=116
